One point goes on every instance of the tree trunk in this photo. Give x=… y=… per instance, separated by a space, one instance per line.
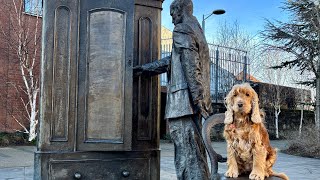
x=277 y=112
x=301 y=120
x=33 y=127
x=33 y=116
x=318 y=106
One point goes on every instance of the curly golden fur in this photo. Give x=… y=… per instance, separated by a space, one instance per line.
x=248 y=144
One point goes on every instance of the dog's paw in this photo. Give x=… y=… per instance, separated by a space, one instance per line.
x=255 y=175
x=232 y=173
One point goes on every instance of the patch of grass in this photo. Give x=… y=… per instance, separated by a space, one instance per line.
x=14 y=139
x=307 y=145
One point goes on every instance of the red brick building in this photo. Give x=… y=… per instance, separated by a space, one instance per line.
x=11 y=106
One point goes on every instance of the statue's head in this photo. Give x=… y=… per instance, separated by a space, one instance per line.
x=179 y=9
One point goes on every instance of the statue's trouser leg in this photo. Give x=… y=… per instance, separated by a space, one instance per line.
x=197 y=119
x=190 y=158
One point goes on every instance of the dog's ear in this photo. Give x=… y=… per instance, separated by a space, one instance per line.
x=255 y=114
x=229 y=103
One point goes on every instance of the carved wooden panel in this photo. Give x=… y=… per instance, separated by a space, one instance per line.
x=58 y=75
x=105 y=75
x=112 y=169
x=106 y=58
x=61 y=75
x=145 y=90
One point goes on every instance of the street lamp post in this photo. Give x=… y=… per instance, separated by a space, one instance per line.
x=216 y=12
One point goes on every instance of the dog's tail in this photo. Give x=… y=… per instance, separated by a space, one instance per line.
x=280 y=175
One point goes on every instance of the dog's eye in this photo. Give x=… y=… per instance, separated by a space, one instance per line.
x=247 y=94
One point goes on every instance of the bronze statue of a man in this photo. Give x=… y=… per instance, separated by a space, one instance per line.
x=188 y=90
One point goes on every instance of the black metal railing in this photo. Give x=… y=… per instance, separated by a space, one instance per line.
x=166 y=47
x=228 y=66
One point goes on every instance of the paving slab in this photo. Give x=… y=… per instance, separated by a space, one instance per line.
x=16 y=156
x=16 y=173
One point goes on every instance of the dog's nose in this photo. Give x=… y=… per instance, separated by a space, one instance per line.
x=240 y=104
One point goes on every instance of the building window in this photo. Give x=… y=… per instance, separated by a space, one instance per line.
x=33 y=7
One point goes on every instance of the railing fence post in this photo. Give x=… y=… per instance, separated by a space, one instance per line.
x=216 y=76
x=245 y=69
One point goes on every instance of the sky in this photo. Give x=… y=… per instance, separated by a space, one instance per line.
x=250 y=14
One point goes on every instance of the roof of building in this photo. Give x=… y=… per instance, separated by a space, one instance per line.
x=248 y=77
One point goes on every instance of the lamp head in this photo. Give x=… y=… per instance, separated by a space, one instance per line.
x=218 y=11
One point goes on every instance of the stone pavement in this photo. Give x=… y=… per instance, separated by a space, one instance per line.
x=16 y=163
x=297 y=168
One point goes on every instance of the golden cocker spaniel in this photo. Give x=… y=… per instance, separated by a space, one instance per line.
x=248 y=144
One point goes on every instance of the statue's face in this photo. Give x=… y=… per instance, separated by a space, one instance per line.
x=176 y=14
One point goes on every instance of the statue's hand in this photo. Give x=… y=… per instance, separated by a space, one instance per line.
x=202 y=109
x=204 y=114
x=137 y=70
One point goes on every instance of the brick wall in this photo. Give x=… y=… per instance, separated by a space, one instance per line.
x=10 y=76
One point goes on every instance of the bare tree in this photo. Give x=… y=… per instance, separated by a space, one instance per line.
x=278 y=78
x=234 y=36
x=304 y=99
x=24 y=19
x=301 y=38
